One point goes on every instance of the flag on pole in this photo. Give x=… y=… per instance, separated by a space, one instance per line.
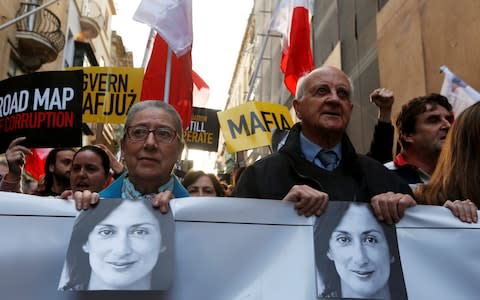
x=201 y=91
x=181 y=83
x=292 y=20
x=172 y=19
x=459 y=94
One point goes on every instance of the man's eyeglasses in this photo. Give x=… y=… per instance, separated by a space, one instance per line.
x=162 y=134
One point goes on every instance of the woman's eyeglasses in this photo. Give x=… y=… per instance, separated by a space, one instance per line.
x=162 y=134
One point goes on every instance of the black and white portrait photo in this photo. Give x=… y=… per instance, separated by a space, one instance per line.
x=356 y=256
x=120 y=245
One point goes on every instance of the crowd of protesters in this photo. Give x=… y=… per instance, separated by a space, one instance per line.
x=307 y=166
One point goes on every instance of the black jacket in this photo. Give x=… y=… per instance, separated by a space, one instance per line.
x=357 y=177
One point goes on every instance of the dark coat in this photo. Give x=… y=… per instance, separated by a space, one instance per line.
x=357 y=177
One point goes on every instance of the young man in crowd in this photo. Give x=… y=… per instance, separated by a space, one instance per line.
x=57 y=172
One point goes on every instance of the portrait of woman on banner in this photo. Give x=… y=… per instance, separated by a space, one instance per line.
x=120 y=245
x=356 y=256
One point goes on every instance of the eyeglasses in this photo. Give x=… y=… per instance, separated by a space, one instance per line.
x=162 y=134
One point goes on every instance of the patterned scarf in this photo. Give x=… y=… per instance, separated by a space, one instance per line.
x=129 y=191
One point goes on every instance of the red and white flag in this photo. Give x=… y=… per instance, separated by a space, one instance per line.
x=172 y=19
x=201 y=91
x=292 y=20
x=459 y=94
x=181 y=82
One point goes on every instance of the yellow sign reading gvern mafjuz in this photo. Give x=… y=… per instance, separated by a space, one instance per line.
x=109 y=92
x=250 y=125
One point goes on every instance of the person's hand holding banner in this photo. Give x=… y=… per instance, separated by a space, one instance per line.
x=308 y=201
x=390 y=207
x=465 y=210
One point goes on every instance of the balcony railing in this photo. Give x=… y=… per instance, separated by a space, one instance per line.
x=91 y=19
x=39 y=36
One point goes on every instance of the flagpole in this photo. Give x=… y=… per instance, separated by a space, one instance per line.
x=240 y=156
x=257 y=67
x=168 y=75
x=151 y=38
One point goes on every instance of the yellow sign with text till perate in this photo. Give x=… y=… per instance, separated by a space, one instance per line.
x=250 y=125
x=109 y=92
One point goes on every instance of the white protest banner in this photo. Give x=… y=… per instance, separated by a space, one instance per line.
x=229 y=248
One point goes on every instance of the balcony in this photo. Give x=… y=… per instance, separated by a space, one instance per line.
x=39 y=37
x=91 y=19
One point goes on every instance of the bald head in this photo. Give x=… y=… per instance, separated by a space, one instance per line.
x=323 y=104
x=301 y=82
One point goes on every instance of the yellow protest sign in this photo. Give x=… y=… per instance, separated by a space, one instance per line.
x=250 y=125
x=109 y=92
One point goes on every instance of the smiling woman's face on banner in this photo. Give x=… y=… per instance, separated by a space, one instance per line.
x=124 y=248
x=361 y=255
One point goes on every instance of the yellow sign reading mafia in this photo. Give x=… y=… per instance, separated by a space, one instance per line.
x=109 y=92
x=250 y=125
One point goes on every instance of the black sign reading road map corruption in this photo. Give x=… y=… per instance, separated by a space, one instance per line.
x=44 y=107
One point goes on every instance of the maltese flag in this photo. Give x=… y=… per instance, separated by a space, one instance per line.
x=459 y=94
x=292 y=20
x=172 y=19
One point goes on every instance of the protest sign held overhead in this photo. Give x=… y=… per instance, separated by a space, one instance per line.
x=250 y=125
x=109 y=92
x=202 y=133
x=43 y=107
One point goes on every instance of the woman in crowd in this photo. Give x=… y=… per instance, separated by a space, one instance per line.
x=152 y=143
x=356 y=257
x=90 y=170
x=120 y=245
x=199 y=183
x=454 y=183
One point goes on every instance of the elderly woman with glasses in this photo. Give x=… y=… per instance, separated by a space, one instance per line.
x=152 y=143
